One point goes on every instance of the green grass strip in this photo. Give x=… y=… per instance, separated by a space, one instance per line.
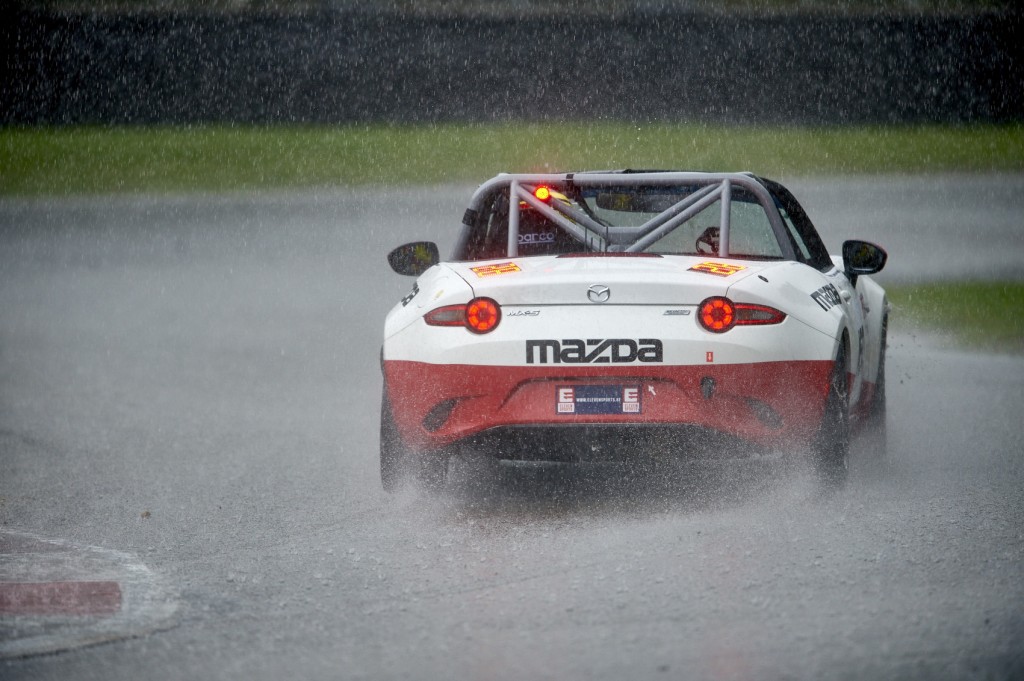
x=981 y=315
x=87 y=160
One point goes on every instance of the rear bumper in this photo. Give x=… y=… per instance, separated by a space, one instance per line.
x=439 y=407
x=601 y=443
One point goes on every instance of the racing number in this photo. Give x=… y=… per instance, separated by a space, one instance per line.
x=721 y=269
x=491 y=270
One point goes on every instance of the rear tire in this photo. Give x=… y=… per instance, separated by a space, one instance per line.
x=831 y=447
x=394 y=457
x=431 y=471
x=400 y=465
x=875 y=427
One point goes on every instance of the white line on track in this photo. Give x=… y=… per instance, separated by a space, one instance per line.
x=57 y=596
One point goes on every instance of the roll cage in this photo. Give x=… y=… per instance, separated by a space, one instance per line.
x=509 y=195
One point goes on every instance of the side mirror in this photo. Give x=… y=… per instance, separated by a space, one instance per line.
x=862 y=257
x=414 y=259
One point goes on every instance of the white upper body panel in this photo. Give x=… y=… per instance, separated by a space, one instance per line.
x=647 y=298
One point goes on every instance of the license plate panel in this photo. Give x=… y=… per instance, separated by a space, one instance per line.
x=575 y=400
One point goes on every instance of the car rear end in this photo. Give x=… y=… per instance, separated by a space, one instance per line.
x=580 y=356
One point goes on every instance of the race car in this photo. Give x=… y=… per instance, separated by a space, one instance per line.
x=624 y=315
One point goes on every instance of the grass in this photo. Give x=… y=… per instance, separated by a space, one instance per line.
x=90 y=160
x=981 y=315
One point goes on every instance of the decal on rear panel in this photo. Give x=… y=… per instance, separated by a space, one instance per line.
x=491 y=270
x=594 y=351
x=827 y=297
x=597 y=399
x=537 y=238
x=412 y=294
x=721 y=269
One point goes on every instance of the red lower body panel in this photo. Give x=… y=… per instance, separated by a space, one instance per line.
x=767 y=404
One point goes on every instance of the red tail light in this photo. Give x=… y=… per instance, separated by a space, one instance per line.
x=542 y=193
x=748 y=314
x=480 y=315
x=449 y=315
x=719 y=314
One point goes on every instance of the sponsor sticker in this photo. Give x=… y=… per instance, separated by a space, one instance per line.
x=827 y=297
x=721 y=269
x=537 y=238
x=597 y=399
x=412 y=294
x=491 y=270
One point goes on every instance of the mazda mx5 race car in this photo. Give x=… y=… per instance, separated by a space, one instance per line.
x=614 y=315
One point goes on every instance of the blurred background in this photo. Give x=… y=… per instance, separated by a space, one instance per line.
x=767 y=62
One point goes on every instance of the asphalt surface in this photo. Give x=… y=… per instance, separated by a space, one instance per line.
x=189 y=393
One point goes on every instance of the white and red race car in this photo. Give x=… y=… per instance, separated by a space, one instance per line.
x=623 y=314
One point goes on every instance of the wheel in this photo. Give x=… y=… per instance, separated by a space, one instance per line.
x=394 y=457
x=831 y=447
x=431 y=471
x=399 y=464
x=875 y=426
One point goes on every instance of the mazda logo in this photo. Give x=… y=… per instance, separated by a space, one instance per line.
x=599 y=294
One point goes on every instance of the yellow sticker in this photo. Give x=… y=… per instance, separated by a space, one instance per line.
x=721 y=269
x=490 y=270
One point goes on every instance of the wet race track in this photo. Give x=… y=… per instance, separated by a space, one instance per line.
x=189 y=402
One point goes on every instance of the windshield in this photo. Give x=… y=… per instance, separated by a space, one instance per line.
x=681 y=219
x=631 y=208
